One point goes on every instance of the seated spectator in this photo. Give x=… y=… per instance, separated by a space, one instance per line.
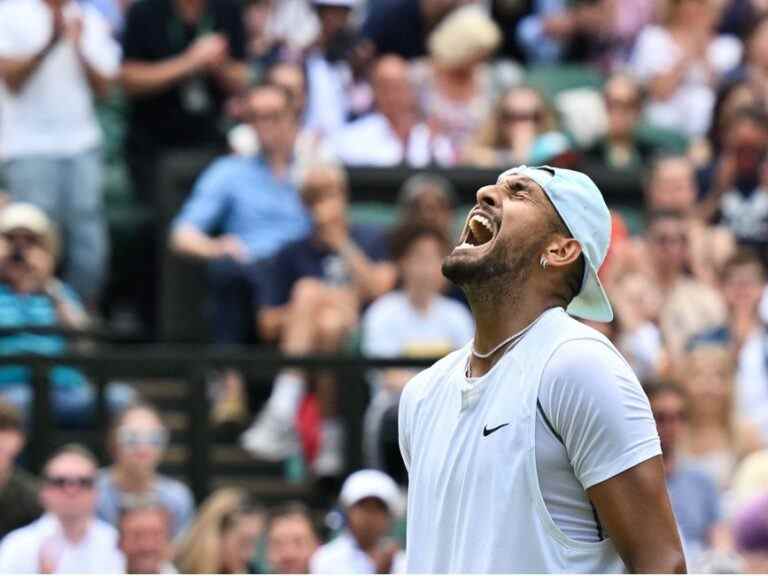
x=223 y=537
x=428 y=199
x=402 y=26
x=738 y=189
x=753 y=71
x=392 y=134
x=694 y=495
x=716 y=436
x=181 y=59
x=522 y=129
x=750 y=534
x=291 y=539
x=56 y=57
x=145 y=539
x=671 y=185
x=743 y=286
x=681 y=61
x=371 y=500
x=19 y=502
x=31 y=296
x=415 y=321
x=312 y=302
x=254 y=205
x=624 y=147
x=457 y=85
x=137 y=441
x=69 y=537
x=561 y=31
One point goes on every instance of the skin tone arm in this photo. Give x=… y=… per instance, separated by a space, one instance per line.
x=189 y=241
x=634 y=508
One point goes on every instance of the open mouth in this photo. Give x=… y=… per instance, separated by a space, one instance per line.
x=480 y=230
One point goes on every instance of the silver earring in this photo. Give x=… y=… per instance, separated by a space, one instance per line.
x=544 y=263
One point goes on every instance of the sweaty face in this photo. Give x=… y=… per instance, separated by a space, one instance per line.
x=504 y=235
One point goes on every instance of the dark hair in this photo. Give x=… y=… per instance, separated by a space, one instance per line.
x=409 y=191
x=72 y=448
x=654 y=388
x=752 y=114
x=289 y=509
x=743 y=257
x=407 y=235
x=11 y=419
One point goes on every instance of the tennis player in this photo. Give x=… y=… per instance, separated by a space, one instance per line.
x=533 y=448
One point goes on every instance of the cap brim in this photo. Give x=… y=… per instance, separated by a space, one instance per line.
x=592 y=302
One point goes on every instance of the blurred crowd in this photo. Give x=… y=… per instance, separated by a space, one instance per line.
x=288 y=94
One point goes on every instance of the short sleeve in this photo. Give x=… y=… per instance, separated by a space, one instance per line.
x=654 y=54
x=209 y=199
x=8 y=28
x=596 y=405
x=136 y=43
x=99 y=48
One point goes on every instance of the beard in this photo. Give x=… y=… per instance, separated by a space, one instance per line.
x=502 y=270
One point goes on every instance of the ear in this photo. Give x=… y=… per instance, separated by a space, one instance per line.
x=562 y=251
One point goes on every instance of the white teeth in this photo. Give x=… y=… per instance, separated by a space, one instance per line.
x=484 y=222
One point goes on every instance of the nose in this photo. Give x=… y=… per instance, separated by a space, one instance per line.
x=489 y=196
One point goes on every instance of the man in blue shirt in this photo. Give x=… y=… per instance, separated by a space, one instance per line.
x=242 y=210
x=311 y=302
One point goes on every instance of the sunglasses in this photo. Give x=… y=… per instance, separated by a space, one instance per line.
x=135 y=438
x=62 y=482
x=621 y=104
x=516 y=116
x=664 y=417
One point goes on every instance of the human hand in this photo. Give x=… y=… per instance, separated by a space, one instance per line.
x=384 y=555
x=74 y=30
x=230 y=247
x=58 y=23
x=208 y=51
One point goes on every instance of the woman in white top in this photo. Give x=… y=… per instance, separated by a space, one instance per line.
x=681 y=61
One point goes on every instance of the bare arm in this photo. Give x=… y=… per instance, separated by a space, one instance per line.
x=16 y=71
x=635 y=510
x=189 y=241
x=99 y=83
x=371 y=278
x=233 y=77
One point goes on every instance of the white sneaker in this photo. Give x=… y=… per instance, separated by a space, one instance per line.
x=271 y=438
x=330 y=457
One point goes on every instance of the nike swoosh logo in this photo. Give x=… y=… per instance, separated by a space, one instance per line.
x=488 y=431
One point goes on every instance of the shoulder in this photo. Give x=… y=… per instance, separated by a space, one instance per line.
x=331 y=556
x=386 y=304
x=15 y=7
x=24 y=537
x=104 y=531
x=368 y=123
x=173 y=487
x=426 y=382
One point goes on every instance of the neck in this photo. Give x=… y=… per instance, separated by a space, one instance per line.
x=74 y=529
x=189 y=10
x=278 y=159
x=421 y=299
x=132 y=480
x=401 y=124
x=499 y=313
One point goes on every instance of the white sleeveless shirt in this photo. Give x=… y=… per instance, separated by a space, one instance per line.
x=474 y=500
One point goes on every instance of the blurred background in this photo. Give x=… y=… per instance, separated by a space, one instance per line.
x=221 y=230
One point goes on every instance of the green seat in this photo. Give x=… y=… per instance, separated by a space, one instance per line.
x=553 y=79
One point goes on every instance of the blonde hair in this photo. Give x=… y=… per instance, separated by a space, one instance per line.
x=491 y=135
x=725 y=358
x=464 y=34
x=200 y=549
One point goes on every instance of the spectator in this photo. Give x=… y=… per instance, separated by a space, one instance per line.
x=681 y=61
x=55 y=57
x=753 y=71
x=716 y=437
x=328 y=73
x=738 y=189
x=693 y=494
x=428 y=199
x=312 y=300
x=31 y=296
x=371 y=500
x=750 y=531
x=181 y=59
x=137 y=441
x=671 y=185
x=255 y=206
x=145 y=539
x=743 y=286
x=414 y=321
x=456 y=85
x=291 y=539
x=522 y=129
x=401 y=26
x=393 y=134
x=624 y=147
x=560 y=31
x=224 y=536
x=19 y=503
x=69 y=537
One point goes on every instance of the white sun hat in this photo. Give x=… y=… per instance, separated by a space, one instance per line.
x=371 y=484
x=580 y=204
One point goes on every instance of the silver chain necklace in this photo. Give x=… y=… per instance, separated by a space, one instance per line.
x=512 y=339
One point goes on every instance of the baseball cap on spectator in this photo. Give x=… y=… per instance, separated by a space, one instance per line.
x=371 y=484
x=22 y=216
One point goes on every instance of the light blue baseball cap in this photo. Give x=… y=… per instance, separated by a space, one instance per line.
x=580 y=204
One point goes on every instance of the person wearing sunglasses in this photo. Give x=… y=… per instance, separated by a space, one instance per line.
x=68 y=537
x=137 y=441
x=522 y=129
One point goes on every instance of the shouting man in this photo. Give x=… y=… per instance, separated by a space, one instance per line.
x=533 y=448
